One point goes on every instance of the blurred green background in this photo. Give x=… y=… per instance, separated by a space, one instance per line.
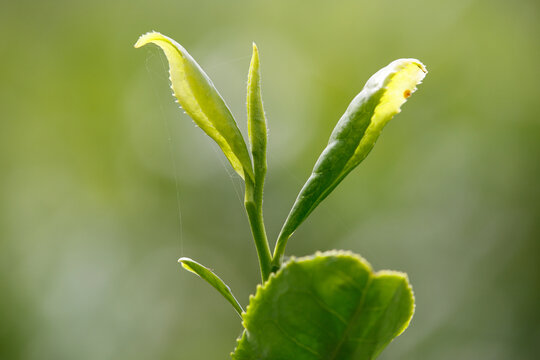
x=104 y=182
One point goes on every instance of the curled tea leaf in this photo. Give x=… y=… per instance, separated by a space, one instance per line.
x=353 y=138
x=202 y=102
x=256 y=124
x=214 y=280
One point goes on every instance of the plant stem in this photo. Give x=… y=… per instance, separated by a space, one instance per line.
x=253 y=204
x=279 y=251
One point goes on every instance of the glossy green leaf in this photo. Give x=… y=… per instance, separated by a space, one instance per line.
x=256 y=124
x=328 y=306
x=214 y=280
x=353 y=138
x=200 y=99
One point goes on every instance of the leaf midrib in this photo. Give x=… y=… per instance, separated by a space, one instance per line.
x=353 y=319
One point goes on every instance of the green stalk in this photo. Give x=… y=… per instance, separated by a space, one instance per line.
x=255 y=216
x=279 y=251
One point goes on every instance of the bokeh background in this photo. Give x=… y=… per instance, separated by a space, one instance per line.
x=104 y=182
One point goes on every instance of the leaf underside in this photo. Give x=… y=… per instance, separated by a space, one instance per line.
x=327 y=306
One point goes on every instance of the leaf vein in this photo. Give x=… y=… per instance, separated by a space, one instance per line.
x=356 y=314
x=297 y=342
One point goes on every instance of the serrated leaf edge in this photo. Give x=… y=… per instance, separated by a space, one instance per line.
x=338 y=253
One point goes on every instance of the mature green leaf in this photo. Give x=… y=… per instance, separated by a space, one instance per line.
x=256 y=124
x=202 y=102
x=212 y=279
x=353 y=138
x=329 y=306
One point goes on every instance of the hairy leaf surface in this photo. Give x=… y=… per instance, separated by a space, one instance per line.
x=327 y=306
x=202 y=102
x=353 y=138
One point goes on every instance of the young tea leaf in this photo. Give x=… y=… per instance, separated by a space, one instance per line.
x=353 y=138
x=202 y=102
x=254 y=190
x=328 y=306
x=212 y=279
x=256 y=124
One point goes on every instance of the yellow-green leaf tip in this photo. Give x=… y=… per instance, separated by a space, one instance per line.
x=184 y=261
x=399 y=79
x=147 y=38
